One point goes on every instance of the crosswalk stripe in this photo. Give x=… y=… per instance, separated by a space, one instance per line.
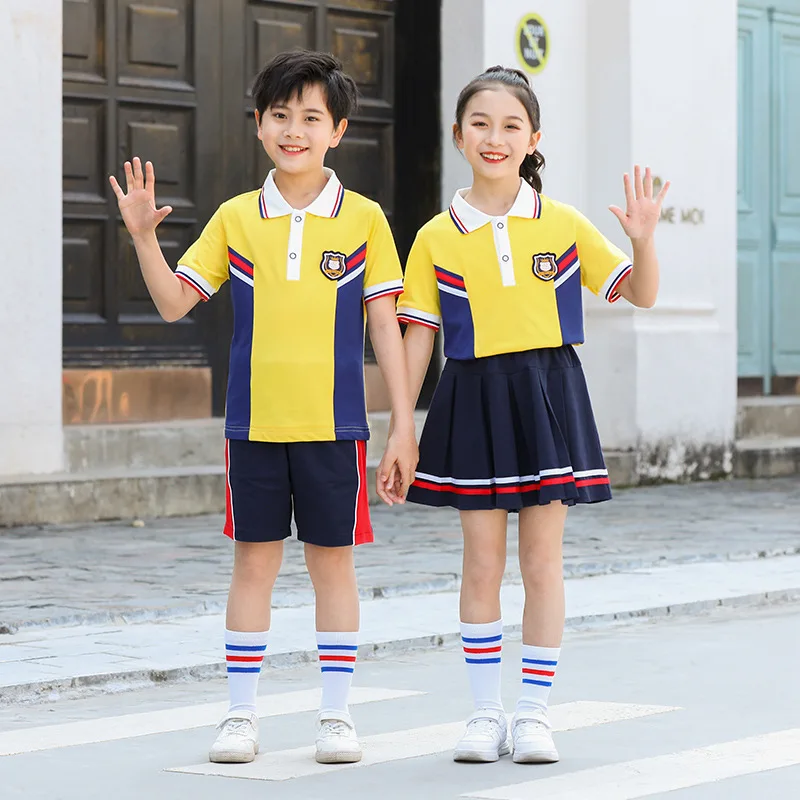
x=649 y=776
x=396 y=745
x=110 y=729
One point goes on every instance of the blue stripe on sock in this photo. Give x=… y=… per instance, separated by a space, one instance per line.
x=536 y=661
x=336 y=669
x=244 y=669
x=538 y=683
x=337 y=647
x=482 y=660
x=246 y=647
x=482 y=640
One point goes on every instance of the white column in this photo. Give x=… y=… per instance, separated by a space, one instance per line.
x=31 y=437
x=662 y=91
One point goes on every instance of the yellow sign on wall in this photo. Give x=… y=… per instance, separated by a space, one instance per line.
x=532 y=43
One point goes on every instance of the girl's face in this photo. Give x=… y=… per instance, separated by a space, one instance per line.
x=495 y=134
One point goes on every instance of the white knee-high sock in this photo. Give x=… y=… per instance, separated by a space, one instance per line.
x=483 y=643
x=337 y=662
x=244 y=654
x=538 y=671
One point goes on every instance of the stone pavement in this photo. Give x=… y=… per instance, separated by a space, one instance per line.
x=100 y=573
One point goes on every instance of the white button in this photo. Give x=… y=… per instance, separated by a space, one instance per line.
x=298 y=219
x=499 y=224
x=505 y=258
x=294 y=255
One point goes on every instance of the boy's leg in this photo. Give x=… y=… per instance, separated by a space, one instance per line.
x=482 y=633
x=332 y=514
x=258 y=518
x=541 y=530
x=247 y=621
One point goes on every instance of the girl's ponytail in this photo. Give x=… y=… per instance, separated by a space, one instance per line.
x=517 y=82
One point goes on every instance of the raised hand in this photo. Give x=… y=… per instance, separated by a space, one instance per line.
x=138 y=204
x=640 y=218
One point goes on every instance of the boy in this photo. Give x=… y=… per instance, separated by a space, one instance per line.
x=306 y=260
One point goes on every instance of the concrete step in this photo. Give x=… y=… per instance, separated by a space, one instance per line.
x=124 y=493
x=186 y=443
x=768 y=416
x=767 y=457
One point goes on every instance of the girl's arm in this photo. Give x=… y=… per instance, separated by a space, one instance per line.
x=418 y=343
x=639 y=222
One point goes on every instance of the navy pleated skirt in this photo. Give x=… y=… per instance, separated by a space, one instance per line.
x=510 y=431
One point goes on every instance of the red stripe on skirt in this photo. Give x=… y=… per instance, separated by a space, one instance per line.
x=230 y=527
x=363 y=526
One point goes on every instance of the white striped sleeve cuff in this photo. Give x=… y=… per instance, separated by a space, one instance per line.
x=419 y=318
x=383 y=289
x=618 y=274
x=195 y=280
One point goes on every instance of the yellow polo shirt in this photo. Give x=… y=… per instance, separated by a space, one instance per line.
x=300 y=279
x=511 y=283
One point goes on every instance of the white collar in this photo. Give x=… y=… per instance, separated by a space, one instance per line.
x=327 y=203
x=467 y=218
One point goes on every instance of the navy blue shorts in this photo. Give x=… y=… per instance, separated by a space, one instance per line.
x=323 y=483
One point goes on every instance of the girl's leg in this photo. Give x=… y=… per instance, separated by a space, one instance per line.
x=333 y=574
x=255 y=568
x=541 y=530
x=481 y=623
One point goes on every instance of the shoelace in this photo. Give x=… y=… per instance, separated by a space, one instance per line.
x=334 y=726
x=529 y=727
x=238 y=727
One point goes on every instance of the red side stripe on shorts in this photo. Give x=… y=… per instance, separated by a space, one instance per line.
x=363 y=525
x=229 y=529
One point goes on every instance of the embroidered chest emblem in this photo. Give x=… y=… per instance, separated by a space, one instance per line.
x=333 y=264
x=545 y=266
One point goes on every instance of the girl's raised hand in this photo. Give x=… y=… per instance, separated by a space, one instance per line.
x=138 y=205
x=640 y=218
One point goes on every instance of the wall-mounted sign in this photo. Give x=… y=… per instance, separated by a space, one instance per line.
x=532 y=43
x=673 y=215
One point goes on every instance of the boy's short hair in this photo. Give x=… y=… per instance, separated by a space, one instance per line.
x=286 y=75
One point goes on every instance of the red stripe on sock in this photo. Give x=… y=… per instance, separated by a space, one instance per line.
x=538 y=672
x=482 y=649
x=337 y=658
x=244 y=658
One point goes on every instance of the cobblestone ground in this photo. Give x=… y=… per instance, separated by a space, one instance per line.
x=82 y=573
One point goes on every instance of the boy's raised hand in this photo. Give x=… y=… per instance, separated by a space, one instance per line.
x=138 y=205
x=397 y=467
x=641 y=216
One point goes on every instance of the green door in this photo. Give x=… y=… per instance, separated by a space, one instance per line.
x=769 y=190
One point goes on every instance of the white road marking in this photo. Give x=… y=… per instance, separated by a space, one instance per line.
x=396 y=745
x=110 y=729
x=648 y=776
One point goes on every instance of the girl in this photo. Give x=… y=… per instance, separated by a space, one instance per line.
x=510 y=427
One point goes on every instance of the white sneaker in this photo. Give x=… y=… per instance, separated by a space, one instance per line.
x=533 y=742
x=237 y=741
x=337 y=742
x=486 y=738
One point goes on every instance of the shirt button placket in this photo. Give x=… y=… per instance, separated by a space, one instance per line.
x=295 y=246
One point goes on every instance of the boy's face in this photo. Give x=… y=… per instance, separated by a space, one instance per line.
x=298 y=134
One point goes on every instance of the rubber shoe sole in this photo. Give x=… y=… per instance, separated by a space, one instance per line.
x=481 y=756
x=231 y=757
x=536 y=757
x=338 y=757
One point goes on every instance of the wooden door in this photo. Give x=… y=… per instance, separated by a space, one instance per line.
x=139 y=78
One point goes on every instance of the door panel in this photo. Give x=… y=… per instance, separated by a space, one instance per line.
x=753 y=193
x=786 y=197
x=133 y=85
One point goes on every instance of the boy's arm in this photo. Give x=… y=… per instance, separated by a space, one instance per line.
x=387 y=342
x=173 y=298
